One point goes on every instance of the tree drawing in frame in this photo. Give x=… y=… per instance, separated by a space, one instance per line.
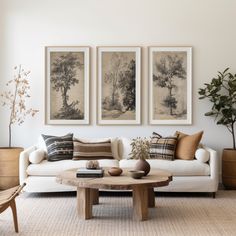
x=67 y=91
x=118 y=86
x=170 y=85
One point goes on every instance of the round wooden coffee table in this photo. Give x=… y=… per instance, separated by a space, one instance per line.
x=143 y=192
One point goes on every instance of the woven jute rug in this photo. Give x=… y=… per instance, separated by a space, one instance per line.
x=55 y=214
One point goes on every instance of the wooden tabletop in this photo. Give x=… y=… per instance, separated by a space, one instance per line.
x=156 y=178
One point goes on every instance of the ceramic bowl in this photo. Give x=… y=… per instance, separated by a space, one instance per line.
x=137 y=174
x=115 y=171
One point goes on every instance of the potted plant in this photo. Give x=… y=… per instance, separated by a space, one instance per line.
x=221 y=91
x=140 y=150
x=15 y=99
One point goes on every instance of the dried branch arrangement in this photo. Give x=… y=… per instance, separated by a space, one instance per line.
x=15 y=98
x=140 y=148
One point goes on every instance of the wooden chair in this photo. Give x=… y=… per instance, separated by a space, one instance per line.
x=7 y=198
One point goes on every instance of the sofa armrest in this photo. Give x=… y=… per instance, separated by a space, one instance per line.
x=24 y=163
x=214 y=164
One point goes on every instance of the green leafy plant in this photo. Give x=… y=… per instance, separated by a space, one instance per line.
x=140 y=148
x=221 y=91
x=15 y=98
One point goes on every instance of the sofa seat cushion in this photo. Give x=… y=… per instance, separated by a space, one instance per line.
x=176 y=167
x=47 y=168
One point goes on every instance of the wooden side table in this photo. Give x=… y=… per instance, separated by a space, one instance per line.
x=9 y=167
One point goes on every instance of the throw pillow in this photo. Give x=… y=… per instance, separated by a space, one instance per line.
x=162 y=148
x=92 y=150
x=36 y=156
x=187 y=145
x=59 y=147
x=124 y=147
x=202 y=155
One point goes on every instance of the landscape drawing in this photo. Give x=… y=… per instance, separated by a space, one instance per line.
x=67 y=85
x=169 y=85
x=118 y=86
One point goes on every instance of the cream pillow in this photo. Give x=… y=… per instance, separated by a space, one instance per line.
x=124 y=148
x=37 y=156
x=202 y=155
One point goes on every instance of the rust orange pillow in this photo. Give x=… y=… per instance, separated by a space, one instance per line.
x=187 y=145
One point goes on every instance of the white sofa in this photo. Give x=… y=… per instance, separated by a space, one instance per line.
x=188 y=175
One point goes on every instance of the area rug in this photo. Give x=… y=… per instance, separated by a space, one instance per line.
x=55 y=214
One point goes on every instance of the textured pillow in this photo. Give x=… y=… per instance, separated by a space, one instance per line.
x=37 y=156
x=162 y=148
x=202 y=155
x=59 y=147
x=187 y=145
x=92 y=150
x=124 y=148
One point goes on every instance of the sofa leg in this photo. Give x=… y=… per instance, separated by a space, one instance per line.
x=213 y=194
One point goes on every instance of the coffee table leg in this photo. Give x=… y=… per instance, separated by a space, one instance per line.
x=84 y=203
x=95 y=196
x=140 y=203
x=151 y=197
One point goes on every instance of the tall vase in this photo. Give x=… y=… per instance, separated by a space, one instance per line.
x=142 y=164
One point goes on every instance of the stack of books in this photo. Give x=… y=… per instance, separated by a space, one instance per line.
x=89 y=173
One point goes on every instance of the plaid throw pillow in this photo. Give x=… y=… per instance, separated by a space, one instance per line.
x=162 y=148
x=59 y=148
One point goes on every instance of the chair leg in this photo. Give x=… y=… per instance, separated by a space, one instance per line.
x=213 y=194
x=14 y=213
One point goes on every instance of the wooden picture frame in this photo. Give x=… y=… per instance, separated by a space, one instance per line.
x=170 y=85
x=67 y=85
x=118 y=84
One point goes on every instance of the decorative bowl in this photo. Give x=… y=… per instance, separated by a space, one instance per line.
x=115 y=171
x=136 y=174
x=92 y=164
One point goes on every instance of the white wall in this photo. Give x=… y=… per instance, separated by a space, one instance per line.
x=27 y=26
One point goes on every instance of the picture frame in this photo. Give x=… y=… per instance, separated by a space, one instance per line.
x=67 y=75
x=170 y=85
x=118 y=85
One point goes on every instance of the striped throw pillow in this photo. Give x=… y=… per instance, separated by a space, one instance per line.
x=92 y=150
x=162 y=148
x=59 y=148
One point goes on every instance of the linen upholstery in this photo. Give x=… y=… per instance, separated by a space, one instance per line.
x=177 y=167
x=48 y=168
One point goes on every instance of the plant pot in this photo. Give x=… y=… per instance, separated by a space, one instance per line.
x=142 y=164
x=9 y=167
x=229 y=168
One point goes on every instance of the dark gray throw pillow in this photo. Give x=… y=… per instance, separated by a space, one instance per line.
x=59 y=147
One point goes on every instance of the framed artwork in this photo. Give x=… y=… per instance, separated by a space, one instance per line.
x=118 y=85
x=170 y=85
x=67 y=85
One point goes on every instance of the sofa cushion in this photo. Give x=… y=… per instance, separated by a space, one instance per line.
x=59 y=147
x=187 y=145
x=162 y=147
x=176 y=167
x=47 y=168
x=92 y=150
